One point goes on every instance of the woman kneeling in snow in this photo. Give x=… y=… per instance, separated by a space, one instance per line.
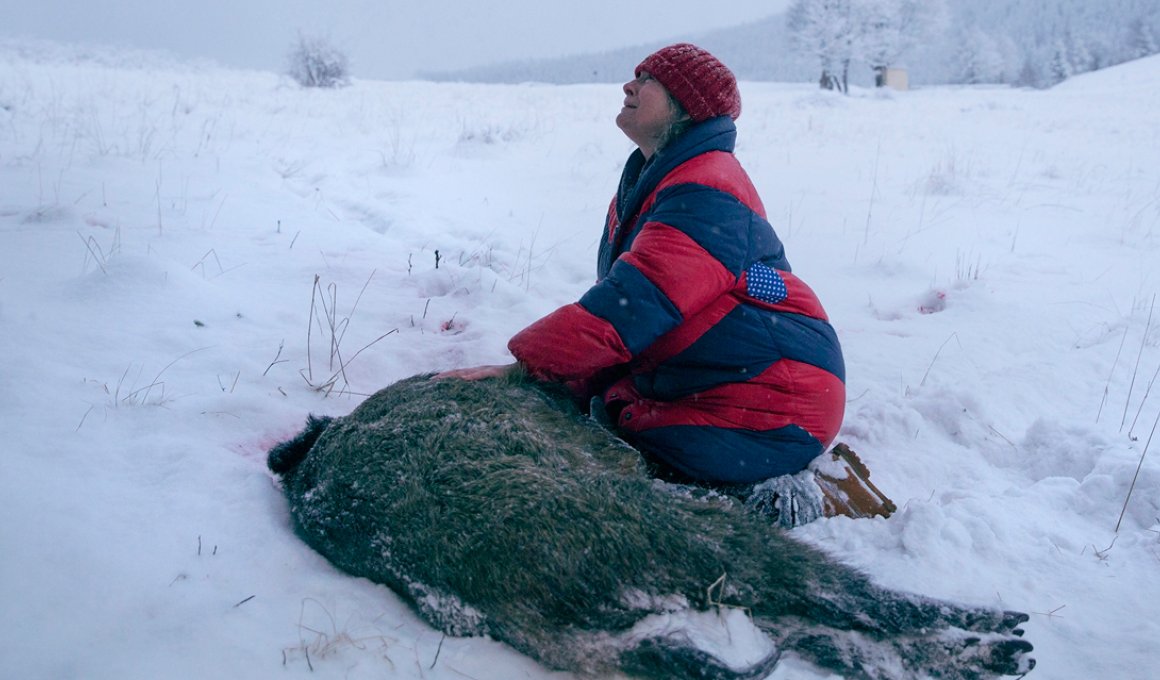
x=697 y=344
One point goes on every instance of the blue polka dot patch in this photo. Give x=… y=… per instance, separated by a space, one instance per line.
x=765 y=283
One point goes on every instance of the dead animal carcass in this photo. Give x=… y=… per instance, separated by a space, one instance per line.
x=496 y=508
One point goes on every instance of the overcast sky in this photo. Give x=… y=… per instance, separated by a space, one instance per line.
x=386 y=39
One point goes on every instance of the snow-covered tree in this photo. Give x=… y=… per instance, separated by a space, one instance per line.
x=1059 y=38
x=890 y=28
x=1029 y=75
x=978 y=58
x=826 y=29
x=1142 y=40
x=313 y=62
x=1026 y=33
x=1061 y=67
x=1082 y=58
x=877 y=32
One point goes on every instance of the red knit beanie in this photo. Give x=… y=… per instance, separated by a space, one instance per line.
x=703 y=85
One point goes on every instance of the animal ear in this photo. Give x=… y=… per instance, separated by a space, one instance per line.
x=286 y=456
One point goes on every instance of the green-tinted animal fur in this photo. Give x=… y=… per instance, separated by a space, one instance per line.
x=497 y=508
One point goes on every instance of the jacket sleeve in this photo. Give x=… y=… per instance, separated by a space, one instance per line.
x=668 y=275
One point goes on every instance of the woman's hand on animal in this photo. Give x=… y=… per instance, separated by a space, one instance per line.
x=478 y=372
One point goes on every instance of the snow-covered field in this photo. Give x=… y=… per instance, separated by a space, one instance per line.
x=989 y=257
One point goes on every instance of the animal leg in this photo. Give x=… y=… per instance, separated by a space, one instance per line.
x=674 y=657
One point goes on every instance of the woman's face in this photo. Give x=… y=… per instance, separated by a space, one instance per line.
x=647 y=112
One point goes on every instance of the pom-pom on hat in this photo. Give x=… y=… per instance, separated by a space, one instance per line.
x=703 y=85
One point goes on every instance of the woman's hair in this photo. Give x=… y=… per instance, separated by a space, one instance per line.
x=681 y=121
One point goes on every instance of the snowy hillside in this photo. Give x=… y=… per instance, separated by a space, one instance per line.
x=194 y=259
x=1033 y=43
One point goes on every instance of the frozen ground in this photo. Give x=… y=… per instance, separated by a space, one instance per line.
x=989 y=257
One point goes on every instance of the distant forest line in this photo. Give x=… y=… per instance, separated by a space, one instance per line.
x=1032 y=43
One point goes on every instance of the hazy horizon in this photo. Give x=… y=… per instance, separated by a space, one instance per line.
x=384 y=40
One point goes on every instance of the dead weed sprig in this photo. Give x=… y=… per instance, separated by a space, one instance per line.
x=324 y=316
x=139 y=396
x=216 y=260
x=98 y=254
x=1143 y=400
x=1111 y=374
x=277 y=358
x=1136 y=369
x=1132 y=486
x=324 y=643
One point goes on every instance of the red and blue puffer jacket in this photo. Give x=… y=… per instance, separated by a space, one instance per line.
x=711 y=355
